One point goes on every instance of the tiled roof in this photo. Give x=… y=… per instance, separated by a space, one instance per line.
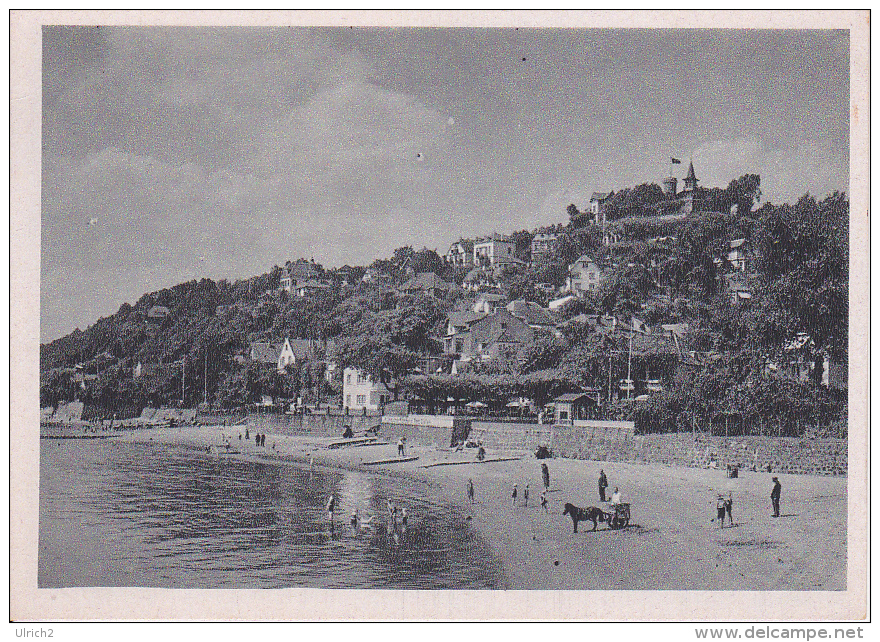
x=266 y=352
x=600 y=196
x=425 y=281
x=530 y=312
x=464 y=318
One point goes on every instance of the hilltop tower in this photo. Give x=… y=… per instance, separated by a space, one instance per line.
x=689 y=194
x=670 y=186
x=690 y=181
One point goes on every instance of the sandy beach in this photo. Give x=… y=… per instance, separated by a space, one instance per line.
x=672 y=542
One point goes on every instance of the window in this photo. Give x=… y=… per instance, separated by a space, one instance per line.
x=362 y=400
x=348 y=378
x=348 y=399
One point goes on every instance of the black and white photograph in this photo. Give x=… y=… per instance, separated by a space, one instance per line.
x=565 y=308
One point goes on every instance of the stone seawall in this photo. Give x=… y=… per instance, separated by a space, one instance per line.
x=606 y=442
x=427 y=430
x=315 y=425
x=602 y=441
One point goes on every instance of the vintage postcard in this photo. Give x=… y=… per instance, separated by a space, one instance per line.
x=442 y=315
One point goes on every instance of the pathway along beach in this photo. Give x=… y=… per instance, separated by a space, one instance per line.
x=672 y=542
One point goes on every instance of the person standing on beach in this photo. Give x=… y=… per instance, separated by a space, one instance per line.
x=514 y=494
x=526 y=495
x=774 y=496
x=400 y=447
x=728 y=507
x=719 y=507
x=545 y=475
x=331 y=506
x=470 y=490
x=615 y=497
x=603 y=484
x=544 y=502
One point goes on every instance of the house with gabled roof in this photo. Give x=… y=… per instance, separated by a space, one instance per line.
x=461 y=253
x=427 y=283
x=532 y=314
x=488 y=302
x=496 y=333
x=584 y=276
x=458 y=326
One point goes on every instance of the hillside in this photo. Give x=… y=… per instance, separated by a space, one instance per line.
x=662 y=270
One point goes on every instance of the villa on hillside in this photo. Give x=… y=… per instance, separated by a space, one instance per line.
x=543 y=244
x=597 y=206
x=461 y=253
x=584 y=276
x=294 y=273
x=495 y=251
x=287 y=353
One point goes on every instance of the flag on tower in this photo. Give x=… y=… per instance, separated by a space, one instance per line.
x=675 y=161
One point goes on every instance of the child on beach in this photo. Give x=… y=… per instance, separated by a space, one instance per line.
x=514 y=494
x=719 y=505
x=544 y=501
x=728 y=507
x=470 y=490
x=526 y=495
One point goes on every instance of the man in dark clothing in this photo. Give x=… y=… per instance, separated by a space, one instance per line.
x=603 y=484
x=774 y=496
x=545 y=475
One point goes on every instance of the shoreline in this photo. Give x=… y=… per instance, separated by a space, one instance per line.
x=672 y=542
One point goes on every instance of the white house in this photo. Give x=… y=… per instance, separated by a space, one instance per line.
x=495 y=251
x=359 y=391
x=583 y=276
x=461 y=253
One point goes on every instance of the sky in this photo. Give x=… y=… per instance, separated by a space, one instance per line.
x=178 y=153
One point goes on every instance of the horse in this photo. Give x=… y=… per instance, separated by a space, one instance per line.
x=591 y=513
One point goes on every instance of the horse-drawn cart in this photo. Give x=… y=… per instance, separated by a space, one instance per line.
x=618 y=517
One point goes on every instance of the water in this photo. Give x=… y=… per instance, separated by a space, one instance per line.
x=151 y=515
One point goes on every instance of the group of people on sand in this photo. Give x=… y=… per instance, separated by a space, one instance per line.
x=724 y=505
x=259 y=440
x=603 y=485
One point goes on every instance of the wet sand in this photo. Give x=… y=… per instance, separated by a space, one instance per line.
x=672 y=542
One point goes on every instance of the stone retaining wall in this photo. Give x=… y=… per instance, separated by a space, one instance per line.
x=314 y=425
x=594 y=440
x=427 y=430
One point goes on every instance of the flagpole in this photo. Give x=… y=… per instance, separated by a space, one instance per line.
x=629 y=362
